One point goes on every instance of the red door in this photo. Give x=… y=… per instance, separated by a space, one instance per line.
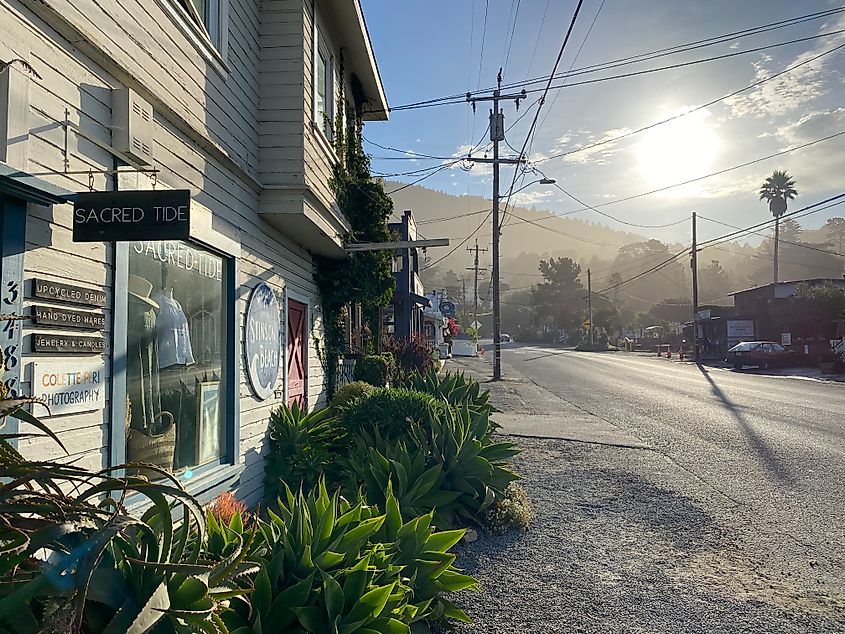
x=297 y=376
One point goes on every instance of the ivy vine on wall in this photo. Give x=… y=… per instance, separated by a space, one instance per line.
x=363 y=278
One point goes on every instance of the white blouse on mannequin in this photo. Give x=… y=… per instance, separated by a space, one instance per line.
x=174 y=339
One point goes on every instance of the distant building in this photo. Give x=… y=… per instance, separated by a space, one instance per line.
x=404 y=317
x=769 y=313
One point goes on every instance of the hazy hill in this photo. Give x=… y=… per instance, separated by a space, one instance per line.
x=522 y=244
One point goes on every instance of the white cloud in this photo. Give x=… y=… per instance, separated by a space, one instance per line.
x=795 y=89
x=590 y=148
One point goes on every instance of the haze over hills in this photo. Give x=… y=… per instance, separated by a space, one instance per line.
x=523 y=244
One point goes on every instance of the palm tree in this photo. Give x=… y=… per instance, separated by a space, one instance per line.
x=777 y=189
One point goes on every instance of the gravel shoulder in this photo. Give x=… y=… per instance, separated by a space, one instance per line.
x=623 y=540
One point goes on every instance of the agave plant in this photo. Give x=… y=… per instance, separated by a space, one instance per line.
x=454 y=388
x=303 y=447
x=333 y=566
x=73 y=559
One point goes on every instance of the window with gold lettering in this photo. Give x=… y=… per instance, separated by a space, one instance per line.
x=175 y=356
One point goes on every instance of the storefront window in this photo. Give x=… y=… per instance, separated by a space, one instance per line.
x=175 y=356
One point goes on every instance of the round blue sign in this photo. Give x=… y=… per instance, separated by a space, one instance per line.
x=448 y=309
x=263 y=340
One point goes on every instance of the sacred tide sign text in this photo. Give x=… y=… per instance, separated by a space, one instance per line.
x=132 y=215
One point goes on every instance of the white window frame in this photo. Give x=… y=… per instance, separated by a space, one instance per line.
x=211 y=41
x=321 y=44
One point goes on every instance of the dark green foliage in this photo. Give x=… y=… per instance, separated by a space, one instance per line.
x=375 y=369
x=349 y=393
x=303 y=447
x=414 y=355
x=365 y=277
x=390 y=411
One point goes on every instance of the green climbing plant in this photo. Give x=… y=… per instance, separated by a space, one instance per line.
x=363 y=278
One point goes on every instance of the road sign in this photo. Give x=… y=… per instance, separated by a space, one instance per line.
x=476 y=324
x=448 y=309
x=586 y=323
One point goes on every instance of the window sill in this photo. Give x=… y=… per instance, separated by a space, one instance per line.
x=197 y=37
x=325 y=144
x=204 y=486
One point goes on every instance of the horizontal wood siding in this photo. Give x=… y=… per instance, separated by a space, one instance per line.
x=281 y=115
x=228 y=112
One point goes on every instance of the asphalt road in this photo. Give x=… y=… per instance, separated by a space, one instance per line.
x=770 y=449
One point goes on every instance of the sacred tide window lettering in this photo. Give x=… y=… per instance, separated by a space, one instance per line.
x=175 y=356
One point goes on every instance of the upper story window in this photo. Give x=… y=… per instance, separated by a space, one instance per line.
x=204 y=23
x=323 y=85
x=205 y=13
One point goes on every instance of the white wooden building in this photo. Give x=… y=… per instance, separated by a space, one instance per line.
x=139 y=345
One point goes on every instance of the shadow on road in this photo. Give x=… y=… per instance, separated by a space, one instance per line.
x=765 y=455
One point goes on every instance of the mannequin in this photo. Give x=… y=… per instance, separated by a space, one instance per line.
x=174 y=338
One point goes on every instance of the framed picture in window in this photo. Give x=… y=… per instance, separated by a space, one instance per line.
x=208 y=422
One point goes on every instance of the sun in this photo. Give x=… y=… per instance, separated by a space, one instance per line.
x=678 y=151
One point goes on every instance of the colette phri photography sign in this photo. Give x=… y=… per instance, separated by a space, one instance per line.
x=70 y=386
x=132 y=215
x=263 y=343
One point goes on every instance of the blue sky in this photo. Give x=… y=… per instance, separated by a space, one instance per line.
x=433 y=49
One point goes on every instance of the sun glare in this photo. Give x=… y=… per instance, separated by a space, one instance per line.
x=678 y=151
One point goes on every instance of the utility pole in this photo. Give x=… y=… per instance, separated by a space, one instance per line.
x=475 y=283
x=694 y=265
x=590 y=303
x=463 y=292
x=497 y=134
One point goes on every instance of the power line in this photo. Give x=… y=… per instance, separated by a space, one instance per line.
x=460 y=244
x=446 y=218
x=539 y=33
x=574 y=59
x=540 y=106
x=615 y=63
x=483 y=37
x=706 y=176
x=513 y=30
x=419 y=180
x=696 y=109
x=796 y=244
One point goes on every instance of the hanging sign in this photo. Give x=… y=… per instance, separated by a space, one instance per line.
x=56 y=291
x=67 y=343
x=263 y=340
x=132 y=215
x=70 y=386
x=448 y=309
x=49 y=316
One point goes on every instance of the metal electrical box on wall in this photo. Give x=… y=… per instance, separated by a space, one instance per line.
x=132 y=125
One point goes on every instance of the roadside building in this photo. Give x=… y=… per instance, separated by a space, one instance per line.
x=773 y=312
x=172 y=342
x=404 y=317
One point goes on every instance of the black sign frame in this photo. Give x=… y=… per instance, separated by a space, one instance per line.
x=123 y=216
x=68 y=293
x=67 y=344
x=68 y=318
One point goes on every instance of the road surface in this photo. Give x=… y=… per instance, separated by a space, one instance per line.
x=769 y=450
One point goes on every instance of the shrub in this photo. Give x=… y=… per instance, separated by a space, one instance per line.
x=303 y=446
x=444 y=467
x=348 y=393
x=411 y=355
x=390 y=410
x=375 y=369
x=512 y=510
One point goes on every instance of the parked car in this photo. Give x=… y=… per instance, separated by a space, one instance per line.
x=762 y=354
x=505 y=338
